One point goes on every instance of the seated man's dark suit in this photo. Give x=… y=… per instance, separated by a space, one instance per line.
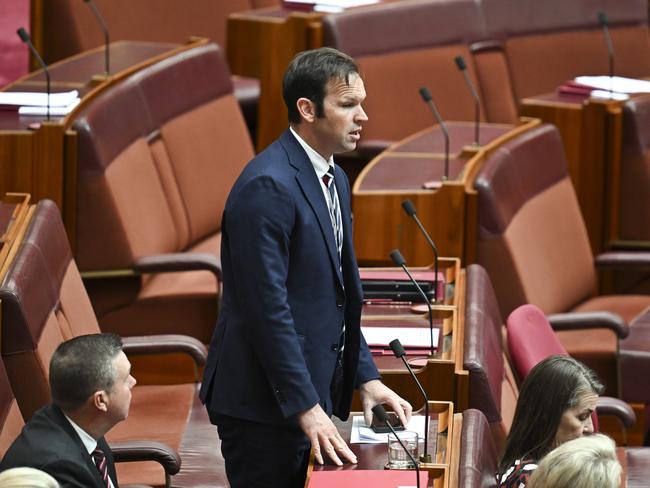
x=274 y=351
x=49 y=442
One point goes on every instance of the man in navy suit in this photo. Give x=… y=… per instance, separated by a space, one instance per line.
x=91 y=382
x=287 y=351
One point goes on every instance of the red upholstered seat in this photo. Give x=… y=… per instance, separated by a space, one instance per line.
x=533 y=242
x=479 y=457
x=151 y=191
x=43 y=304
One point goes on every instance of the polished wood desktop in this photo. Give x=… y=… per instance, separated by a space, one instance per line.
x=592 y=131
x=39 y=156
x=447 y=208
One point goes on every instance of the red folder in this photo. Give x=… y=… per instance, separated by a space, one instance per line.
x=354 y=478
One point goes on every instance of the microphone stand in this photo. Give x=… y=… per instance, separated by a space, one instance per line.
x=426 y=96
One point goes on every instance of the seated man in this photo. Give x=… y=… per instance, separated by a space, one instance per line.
x=90 y=380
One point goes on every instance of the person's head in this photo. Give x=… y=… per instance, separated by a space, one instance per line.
x=555 y=405
x=91 y=372
x=26 y=478
x=323 y=93
x=584 y=462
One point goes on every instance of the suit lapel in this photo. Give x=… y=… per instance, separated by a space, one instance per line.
x=311 y=188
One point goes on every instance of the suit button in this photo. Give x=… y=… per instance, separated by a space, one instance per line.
x=334 y=347
x=339 y=305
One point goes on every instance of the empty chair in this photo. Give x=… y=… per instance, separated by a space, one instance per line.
x=151 y=190
x=44 y=303
x=532 y=240
x=479 y=457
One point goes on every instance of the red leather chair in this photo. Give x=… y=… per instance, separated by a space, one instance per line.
x=479 y=457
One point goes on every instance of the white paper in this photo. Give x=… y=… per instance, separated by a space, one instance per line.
x=55 y=111
x=616 y=83
x=609 y=95
x=408 y=336
x=38 y=99
x=365 y=435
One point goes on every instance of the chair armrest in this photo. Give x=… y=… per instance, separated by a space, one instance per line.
x=179 y=261
x=131 y=451
x=616 y=408
x=623 y=260
x=589 y=320
x=166 y=343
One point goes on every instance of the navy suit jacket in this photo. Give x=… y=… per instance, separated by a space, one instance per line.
x=48 y=442
x=273 y=352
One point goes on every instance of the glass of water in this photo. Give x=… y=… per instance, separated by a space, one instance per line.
x=397 y=457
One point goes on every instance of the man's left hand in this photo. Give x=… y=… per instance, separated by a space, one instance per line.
x=375 y=392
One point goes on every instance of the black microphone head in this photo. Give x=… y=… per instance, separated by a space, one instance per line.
x=460 y=62
x=409 y=208
x=397 y=348
x=397 y=257
x=602 y=18
x=425 y=94
x=379 y=412
x=22 y=33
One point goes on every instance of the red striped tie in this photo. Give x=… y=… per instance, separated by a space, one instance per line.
x=100 y=461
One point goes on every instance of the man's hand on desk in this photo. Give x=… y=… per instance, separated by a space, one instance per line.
x=375 y=392
x=324 y=436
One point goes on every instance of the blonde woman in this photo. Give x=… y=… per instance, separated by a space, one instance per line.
x=26 y=478
x=581 y=463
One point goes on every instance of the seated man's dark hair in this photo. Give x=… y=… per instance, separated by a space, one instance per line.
x=308 y=75
x=82 y=366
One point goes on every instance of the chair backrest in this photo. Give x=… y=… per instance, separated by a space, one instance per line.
x=11 y=421
x=547 y=43
x=402 y=46
x=478 y=456
x=157 y=156
x=492 y=385
x=43 y=304
x=530 y=339
x=634 y=210
x=72 y=28
x=531 y=235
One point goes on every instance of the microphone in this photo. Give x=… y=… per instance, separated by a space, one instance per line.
x=24 y=36
x=398 y=259
x=398 y=351
x=602 y=20
x=426 y=96
x=460 y=62
x=409 y=208
x=104 y=28
x=379 y=411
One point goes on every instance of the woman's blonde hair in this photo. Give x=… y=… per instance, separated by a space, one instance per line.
x=584 y=462
x=26 y=478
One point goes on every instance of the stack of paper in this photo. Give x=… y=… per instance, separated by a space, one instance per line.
x=329 y=6
x=35 y=103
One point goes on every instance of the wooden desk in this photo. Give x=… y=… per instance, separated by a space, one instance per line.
x=43 y=161
x=448 y=212
x=442 y=376
x=373 y=456
x=260 y=44
x=591 y=130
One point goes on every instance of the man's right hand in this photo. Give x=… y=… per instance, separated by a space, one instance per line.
x=324 y=437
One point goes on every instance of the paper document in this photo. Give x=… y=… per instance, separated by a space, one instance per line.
x=616 y=83
x=55 y=111
x=408 y=336
x=365 y=435
x=38 y=99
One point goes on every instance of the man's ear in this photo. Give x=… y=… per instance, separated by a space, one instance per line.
x=306 y=109
x=99 y=400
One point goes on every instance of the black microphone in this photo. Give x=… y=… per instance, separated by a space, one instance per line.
x=24 y=36
x=399 y=352
x=409 y=208
x=379 y=411
x=460 y=62
x=602 y=20
x=104 y=27
x=426 y=96
x=398 y=259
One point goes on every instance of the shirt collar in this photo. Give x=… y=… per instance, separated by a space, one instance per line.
x=88 y=441
x=320 y=164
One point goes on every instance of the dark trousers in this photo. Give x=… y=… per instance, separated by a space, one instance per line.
x=262 y=455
